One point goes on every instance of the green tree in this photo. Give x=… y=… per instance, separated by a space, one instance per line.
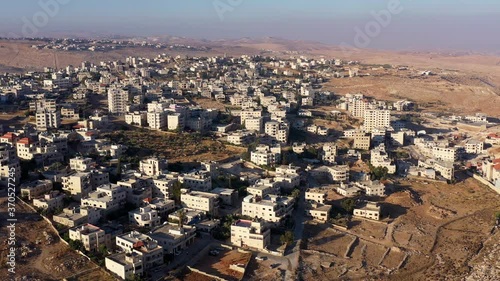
x=176 y=192
x=182 y=217
x=348 y=205
x=287 y=238
x=295 y=193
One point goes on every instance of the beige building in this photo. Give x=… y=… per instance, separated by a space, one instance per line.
x=362 y=141
x=174 y=238
x=316 y=195
x=197 y=180
x=144 y=246
x=118 y=100
x=250 y=234
x=202 y=201
x=263 y=187
x=35 y=188
x=157 y=120
x=447 y=154
x=91 y=236
x=329 y=153
x=152 y=166
x=125 y=265
x=265 y=155
x=136 y=118
x=47 y=120
x=144 y=217
x=277 y=130
x=108 y=197
x=369 y=210
x=51 y=201
x=81 y=164
x=78 y=215
x=380 y=158
x=319 y=212
x=77 y=184
x=376 y=118
x=271 y=208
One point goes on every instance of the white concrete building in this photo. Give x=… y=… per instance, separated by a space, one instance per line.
x=144 y=217
x=47 y=120
x=376 y=118
x=271 y=208
x=118 y=100
x=250 y=234
x=266 y=155
x=202 y=201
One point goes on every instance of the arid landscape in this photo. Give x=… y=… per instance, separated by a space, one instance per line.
x=435 y=232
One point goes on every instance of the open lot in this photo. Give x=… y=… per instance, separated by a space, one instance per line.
x=219 y=265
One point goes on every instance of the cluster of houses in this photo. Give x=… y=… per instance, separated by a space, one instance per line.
x=167 y=209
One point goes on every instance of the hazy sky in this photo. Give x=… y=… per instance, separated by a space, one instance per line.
x=416 y=24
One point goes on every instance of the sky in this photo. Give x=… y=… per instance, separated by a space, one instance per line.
x=381 y=24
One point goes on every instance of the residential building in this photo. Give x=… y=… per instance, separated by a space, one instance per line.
x=369 y=210
x=318 y=212
x=144 y=246
x=125 y=265
x=448 y=154
x=78 y=215
x=92 y=237
x=152 y=166
x=157 y=120
x=35 y=188
x=47 y=120
x=379 y=158
x=174 y=238
x=263 y=187
x=197 y=180
x=144 y=217
x=376 y=118
x=118 y=100
x=474 y=147
x=108 y=197
x=201 y=201
x=277 y=130
x=265 y=155
x=362 y=141
x=81 y=164
x=250 y=234
x=51 y=202
x=329 y=153
x=10 y=168
x=271 y=208
x=316 y=195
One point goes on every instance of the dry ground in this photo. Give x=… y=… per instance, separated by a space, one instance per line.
x=436 y=233
x=219 y=265
x=42 y=258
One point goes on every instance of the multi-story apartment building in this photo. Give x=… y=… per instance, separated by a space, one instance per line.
x=376 y=118
x=379 y=158
x=240 y=137
x=362 y=141
x=277 y=130
x=371 y=188
x=197 y=180
x=254 y=124
x=10 y=169
x=90 y=235
x=46 y=119
x=108 y=197
x=81 y=164
x=118 y=100
x=266 y=155
x=125 y=265
x=250 y=234
x=357 y=106
x=447 y=154
x=474 y=147
x=202 y=201
x=78 y=215
x=152 y=166
x=157 y=120
x=329 y=153
x=287 y=176
x=137 y=118
x=144 y=217
x=174 y=238
x=78 y=184
x=35 y=188
x=250 y=113
x=263 y=187
x=51 y=201
x=150 y=252
x=271 y=208
x=370 y=210
x=316 y=195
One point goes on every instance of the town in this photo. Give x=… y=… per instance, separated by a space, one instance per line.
x=225 y=168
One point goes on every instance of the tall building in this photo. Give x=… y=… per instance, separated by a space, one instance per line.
x=157 y=120
x=277 y=130
x=117 y=101
x=376 y=118
x=47 y=119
